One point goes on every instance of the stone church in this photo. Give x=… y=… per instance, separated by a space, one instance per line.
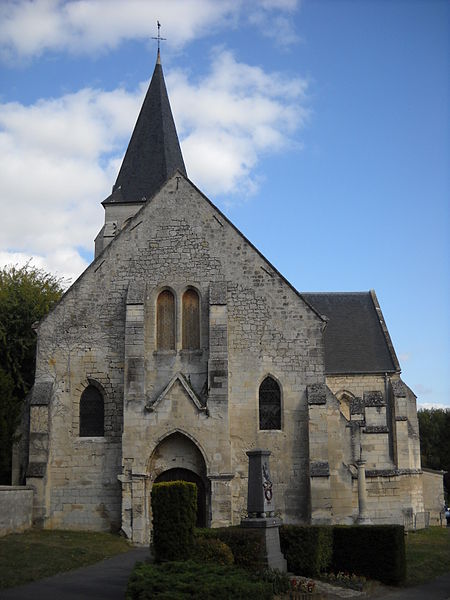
x=181 y=347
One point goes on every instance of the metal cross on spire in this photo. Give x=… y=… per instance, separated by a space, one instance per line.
x=159 y=38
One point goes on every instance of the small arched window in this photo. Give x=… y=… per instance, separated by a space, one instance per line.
x=165 y=321
x=92 y=413
x=269 y=404
x=191 y=320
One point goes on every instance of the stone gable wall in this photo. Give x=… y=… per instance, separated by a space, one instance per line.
x=252 y=324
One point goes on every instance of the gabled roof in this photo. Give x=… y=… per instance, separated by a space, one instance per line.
x=356 y=338
x=153 y=154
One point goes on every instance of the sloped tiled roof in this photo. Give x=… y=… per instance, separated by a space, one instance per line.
x=153 y=154
x=356 y=338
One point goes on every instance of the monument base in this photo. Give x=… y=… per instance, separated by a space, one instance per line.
x=363 y=520
x=274 y=559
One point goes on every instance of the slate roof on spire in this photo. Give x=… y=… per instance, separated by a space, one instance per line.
x=153 y=154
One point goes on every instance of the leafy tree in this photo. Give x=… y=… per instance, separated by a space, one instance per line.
x=434 y=429
x=8 y=423
x=26 y=295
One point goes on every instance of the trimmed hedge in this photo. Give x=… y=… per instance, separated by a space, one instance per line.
x=375 y=551
x=188 y=579
x=174 y=507
x=247 y=545
x=211 y=550
x=308 y=549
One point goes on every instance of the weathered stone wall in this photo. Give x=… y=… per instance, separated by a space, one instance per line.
x=394 y=497
x=433 y=495
x=369 y=407
x=386 y=410
x=384 y=431
x=16 y=508
x=252 y=324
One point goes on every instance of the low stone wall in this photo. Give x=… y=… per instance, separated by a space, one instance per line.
x=16 y=508
x=395 y=497
x=433 y=495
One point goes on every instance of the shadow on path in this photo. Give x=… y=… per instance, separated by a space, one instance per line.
x=105 y=580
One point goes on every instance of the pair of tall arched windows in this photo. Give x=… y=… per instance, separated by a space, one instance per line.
x=269 y=404
x=166 y=322
x=92 y=413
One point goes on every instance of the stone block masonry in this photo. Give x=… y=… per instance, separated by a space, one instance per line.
x=16 y=508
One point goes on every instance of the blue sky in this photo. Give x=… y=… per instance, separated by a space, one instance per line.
x=321 y=128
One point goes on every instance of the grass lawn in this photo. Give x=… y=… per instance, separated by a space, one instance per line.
x=427 y=554
x=35 y=554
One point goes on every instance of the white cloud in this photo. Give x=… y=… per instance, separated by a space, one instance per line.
x=66 y=264
x=31 y=27
x=236 y=114
x=59 y=160
x=61 y=156
x=274 y=19
x=429 y=405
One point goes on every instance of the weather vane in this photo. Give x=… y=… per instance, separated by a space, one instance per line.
x=159 y=38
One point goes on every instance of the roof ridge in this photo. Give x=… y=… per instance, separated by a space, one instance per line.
x=339 y=293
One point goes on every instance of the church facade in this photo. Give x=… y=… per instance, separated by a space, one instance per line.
x=181 y=347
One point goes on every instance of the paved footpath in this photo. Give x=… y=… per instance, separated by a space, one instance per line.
x=436 y=589
x=106 y=580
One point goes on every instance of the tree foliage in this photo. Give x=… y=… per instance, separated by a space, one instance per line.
x=434 y=429
x=26 y=295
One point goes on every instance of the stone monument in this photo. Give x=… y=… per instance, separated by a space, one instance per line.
x=261 y=507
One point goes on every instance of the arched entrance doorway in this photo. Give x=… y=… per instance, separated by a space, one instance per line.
x=177 y=457
x=179 y=474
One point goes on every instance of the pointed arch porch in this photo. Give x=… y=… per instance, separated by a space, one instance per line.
x=178 y=456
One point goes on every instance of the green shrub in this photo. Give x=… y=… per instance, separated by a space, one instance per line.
x=307 y=549
x=181 y=580
x=174 y=507
x=211 y=550
x=247 y=545
x=374 y=551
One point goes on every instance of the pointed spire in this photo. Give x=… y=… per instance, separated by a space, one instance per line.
x=153 y=154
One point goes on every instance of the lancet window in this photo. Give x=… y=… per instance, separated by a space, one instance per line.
x=191 y=320
x=269 y=404
x=165 y=321
x=92 y=413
